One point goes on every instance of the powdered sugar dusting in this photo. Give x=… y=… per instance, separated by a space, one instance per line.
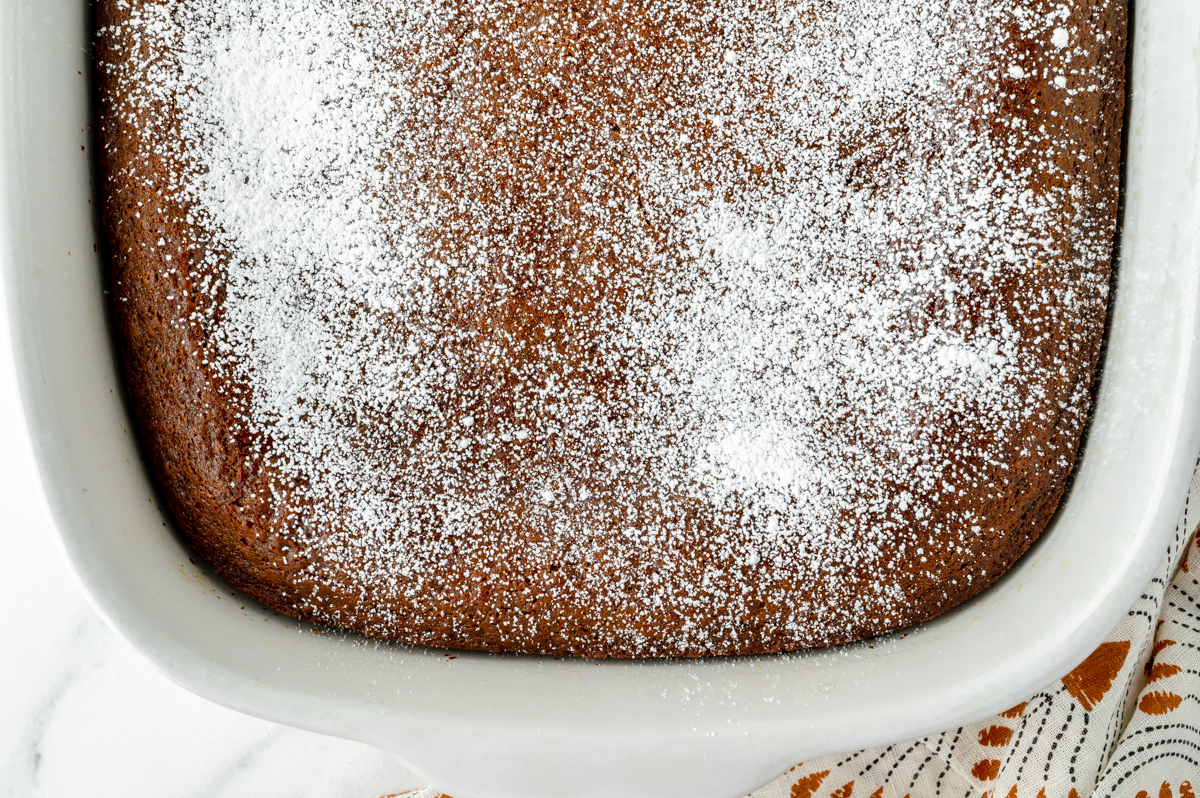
x=710 y=326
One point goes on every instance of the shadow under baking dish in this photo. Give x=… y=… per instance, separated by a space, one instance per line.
x=479 y=724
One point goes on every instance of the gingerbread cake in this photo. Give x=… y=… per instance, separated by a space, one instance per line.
x=589 y=327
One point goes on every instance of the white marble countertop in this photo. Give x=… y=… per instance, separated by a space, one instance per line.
x=81 y=713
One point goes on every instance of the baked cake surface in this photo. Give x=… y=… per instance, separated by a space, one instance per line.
x=587 y=327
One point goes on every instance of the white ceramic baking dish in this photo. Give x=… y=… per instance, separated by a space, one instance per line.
x=481 y=725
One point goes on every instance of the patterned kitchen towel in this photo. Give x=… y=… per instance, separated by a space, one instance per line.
x=1124 y=724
